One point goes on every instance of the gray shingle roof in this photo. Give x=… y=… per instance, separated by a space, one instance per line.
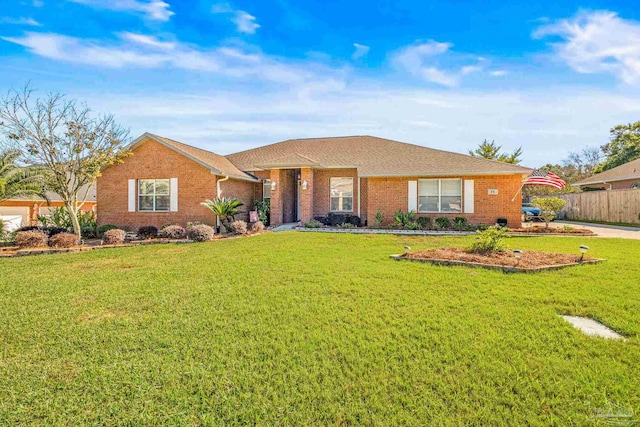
x=623 y=172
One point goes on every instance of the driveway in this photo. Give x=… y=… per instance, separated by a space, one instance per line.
x=603 y=230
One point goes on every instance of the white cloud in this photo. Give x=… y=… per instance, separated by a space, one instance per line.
x=422 y=60
x=244 y=22
x=597 y=42
x=157 y=10
x=146 y=40
x=498 y=73
x=360 y=51
x=20 y=21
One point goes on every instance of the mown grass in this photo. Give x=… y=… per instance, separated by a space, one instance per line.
x=313 y=329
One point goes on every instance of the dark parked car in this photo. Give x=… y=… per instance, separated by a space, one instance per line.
x=530 y=212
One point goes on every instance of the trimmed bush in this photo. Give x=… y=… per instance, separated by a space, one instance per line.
x=169 y=224
x=314 y=223
x=114 y=236
x=490 y=241
x=353 y=219
x=63 y=240
x=31 y=239
x=238 y=227
x=443 y=222
x=201 y=233
x=148 y=232
x=424 y=222
x=101 y=229
x=257 y=227
x=88 y=232
x=173 y=232
x=460 y=222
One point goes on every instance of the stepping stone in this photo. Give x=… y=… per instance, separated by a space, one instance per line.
x=592 y=328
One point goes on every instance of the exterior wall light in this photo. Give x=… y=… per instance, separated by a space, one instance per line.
x=273 y=186
x=304 y=185
x=583 y=250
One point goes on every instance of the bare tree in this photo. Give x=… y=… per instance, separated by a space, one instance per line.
x=585 y=161
x=62 y=136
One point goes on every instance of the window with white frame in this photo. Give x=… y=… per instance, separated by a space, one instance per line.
x=440 y=195
x=341 y=195
x=266 y=189
x=154 y=195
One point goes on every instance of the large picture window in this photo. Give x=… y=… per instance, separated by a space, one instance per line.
x=440 y=195
x=154 y=195
x=341 y=195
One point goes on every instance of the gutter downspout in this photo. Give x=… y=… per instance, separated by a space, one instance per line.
x=359 y=195
x=218 y=192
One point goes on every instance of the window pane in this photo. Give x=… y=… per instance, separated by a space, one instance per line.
x=341 y=187
x=162 y=203
x=145 y=187
x=428 y=187
x=335 y=203
x=451 y=187
x=451 y=204
x=162 y=187
x=347 y=204
x=145 y=203
x=266 y=189
x=428 y=204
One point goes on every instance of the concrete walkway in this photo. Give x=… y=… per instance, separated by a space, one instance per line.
x=286 y=227
x=603 y=230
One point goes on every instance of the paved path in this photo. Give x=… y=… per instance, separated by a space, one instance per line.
x=603 y=230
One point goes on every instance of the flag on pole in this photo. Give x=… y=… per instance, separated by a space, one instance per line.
x=542 y=177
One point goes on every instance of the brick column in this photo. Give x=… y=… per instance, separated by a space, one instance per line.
x=276 y=198
x=306 y=196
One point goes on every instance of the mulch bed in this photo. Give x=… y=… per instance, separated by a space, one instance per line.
x=528 y=260
x=551 y=230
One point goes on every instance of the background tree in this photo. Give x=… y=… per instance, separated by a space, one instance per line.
x=623 y=146
x=492 y=151
x=17 y=181
x=62 y=136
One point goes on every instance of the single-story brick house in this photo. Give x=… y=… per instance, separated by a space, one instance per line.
x=623 y=176
x=164 y=182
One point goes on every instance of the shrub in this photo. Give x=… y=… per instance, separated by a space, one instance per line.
x=321 y=219
x=489 y=241
x=257 y=227
x=31 y=239
x=334 y=219
x=412 y=226
x=113 y=236
x=443 y=222
x=239 y=227
x=49 y=231
x=169 y=224
x=424 y=222
x=460 y=223
x=550 y=207
x=101 y=229
x=201 y=233
x=353 y=219
x=346 y=225
x=379 y=218
x=63 y=240
x=403 y=218
x=173 y=232
x=263 y=207
x=148 y=232
x=88 y=232
x=314 y=223
x=225 y=209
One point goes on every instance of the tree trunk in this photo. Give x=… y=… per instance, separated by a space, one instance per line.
x=73 y=213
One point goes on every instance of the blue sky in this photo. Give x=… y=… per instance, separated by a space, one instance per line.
x=549 y=76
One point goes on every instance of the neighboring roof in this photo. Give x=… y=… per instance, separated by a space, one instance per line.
x=629 y=170
x=218 y=164
x=89 y=189
x=372 y=156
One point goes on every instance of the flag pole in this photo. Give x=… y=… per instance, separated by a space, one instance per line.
x=519 y=190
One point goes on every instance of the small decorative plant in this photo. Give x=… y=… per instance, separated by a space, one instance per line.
x=257 y=227
x=224 y=208
x=31 y=239
x=239 y=227
x=113 y=237
x=173 y=232
x=424 y=222
x=101 y=229
x=148 y=232
x=489 y=241
x=201 y=233
x=346 y=225
x=263 y=207
x=550 y=207
x=460 y=223
x=402 y=219
x=314 y=223
x=443 y=222
x=63 y=240
x=379 y=219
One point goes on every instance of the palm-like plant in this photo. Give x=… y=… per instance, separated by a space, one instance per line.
x=17 y=181
x=225 y=209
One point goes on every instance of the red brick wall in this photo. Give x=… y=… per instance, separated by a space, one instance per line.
x=154 y=160
x=244 y=191
x=364 y=193
x=391 y=194
x=322 y=189
x=306 y=205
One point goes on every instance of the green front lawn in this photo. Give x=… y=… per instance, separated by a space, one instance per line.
x=313 y=329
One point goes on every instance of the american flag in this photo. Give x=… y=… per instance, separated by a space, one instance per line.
x=542 y=177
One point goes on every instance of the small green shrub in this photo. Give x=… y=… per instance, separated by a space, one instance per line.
x=379 y=219
x=443 y=222
x=346 y=225
x=31 y=239
x=403 y=218
x=314 y=223
x=489 y=241
x=63 y=240
x=201 y=233
x=424 y=222
x=263 y=207
x=412 y=226
x=114 y=236
x=173 y=232
x=460 y=223
x=148 y=232
x=257 y=227
x=101 y=229
x=239 y=227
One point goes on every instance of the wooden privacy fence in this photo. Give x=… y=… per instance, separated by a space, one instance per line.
x=607 y=205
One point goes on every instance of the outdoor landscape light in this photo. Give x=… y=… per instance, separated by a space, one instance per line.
x=583 y=250
x=273 y=186
x=518 y=254
x=406 y=249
